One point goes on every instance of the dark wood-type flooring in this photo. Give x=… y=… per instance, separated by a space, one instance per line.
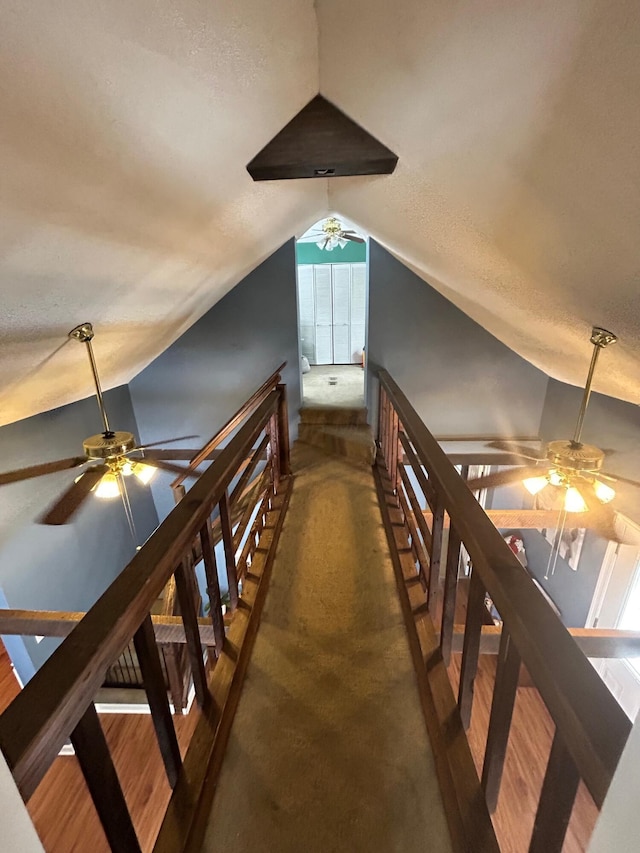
x=530 y=739
x=61 y=807
x=67 y=823
x=526 y=761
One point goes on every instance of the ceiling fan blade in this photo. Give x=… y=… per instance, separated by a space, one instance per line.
x=353 y=239
x=601 y=516
x=39 y=470
x=168 y=466
x=617 y=477
x=166 y=441
x=520 y=449
x=71 y=500
x=504 y=478
x=161 y=453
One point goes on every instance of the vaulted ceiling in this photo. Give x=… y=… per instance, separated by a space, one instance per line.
x=125 y=129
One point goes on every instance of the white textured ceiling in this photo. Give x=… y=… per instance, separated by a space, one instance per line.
x=125 y=129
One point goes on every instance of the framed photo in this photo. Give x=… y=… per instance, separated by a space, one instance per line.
x=568 y=542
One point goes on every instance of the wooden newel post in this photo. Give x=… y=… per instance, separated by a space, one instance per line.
x=283 y=429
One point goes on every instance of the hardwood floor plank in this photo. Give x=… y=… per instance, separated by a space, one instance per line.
x=9 y=686
x=61 y=807
x=525 y=765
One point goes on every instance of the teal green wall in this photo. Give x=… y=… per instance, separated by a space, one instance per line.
x=352 y=253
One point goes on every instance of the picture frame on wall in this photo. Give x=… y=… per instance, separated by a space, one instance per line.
x=567 y=541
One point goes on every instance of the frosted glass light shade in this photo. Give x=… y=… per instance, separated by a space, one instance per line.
x=144 y=473
x=535 y=484
x=603 y=492
x=555 y=478
x=108 y=487
x=574 y=502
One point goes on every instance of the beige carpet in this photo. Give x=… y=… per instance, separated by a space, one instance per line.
x=334 y=385
x=328 y=750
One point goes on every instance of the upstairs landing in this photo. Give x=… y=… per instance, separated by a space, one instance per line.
x=328 y=750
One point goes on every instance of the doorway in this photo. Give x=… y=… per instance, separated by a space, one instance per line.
x=332 y=312
x=616 y=604
x=332 y=317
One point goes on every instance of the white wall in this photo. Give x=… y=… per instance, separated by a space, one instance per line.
x=618 y=828
x=18 y=833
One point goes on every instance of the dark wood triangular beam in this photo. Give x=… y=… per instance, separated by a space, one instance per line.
x=321 y=142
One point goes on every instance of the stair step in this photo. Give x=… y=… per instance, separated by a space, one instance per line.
x=333 y=415
x=354 y=443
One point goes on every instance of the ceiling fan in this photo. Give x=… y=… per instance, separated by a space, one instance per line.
x=111 y=449
x=332 y=235
x=569 y=470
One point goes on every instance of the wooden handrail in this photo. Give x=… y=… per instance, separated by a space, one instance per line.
x=60 y=623
x=591 y=724
x=38 y=721
x=254 y=400
x=592 y=642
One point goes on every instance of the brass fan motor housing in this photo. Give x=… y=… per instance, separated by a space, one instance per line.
x=574 y=457
x=107 y=445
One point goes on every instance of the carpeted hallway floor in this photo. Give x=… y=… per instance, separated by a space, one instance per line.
x=329 y=750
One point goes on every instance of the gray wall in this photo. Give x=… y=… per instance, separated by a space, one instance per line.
x=461 y=380
x=609 y=424
x=66 y=567
x=206 y=375
x=571 y=591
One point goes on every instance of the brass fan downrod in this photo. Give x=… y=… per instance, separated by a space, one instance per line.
x=84 y=334
x=600 y=338
x=108 y=445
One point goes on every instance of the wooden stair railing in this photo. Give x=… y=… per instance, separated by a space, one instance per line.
x=413 y=473
x=57 y=704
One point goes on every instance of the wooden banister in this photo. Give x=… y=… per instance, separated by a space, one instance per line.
x=591 y=728
x=574 y=694
x=57 y=703
x=254 y=400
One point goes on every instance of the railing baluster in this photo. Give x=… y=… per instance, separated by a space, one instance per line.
x=382 y=422
x=213 y=586
x=394 y=446
x=170 y=654
x=449 y=597
x=93 y=755
x=471 y=648
x=557 y=797
x=184 y=588
x=435 y=557
x=146 y=648
x=283 y=429
x=274 y=452
x=387 y=452
x=416 y=543
x=229 y=553
x=504 y=697
x=417 y=509
x=418 y=472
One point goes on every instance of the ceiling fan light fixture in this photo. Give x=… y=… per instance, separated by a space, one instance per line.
x=555 y=478
x=144 y=473
x=535 y=484
x=108 y=487
x=603 y=492
x=573 y=501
